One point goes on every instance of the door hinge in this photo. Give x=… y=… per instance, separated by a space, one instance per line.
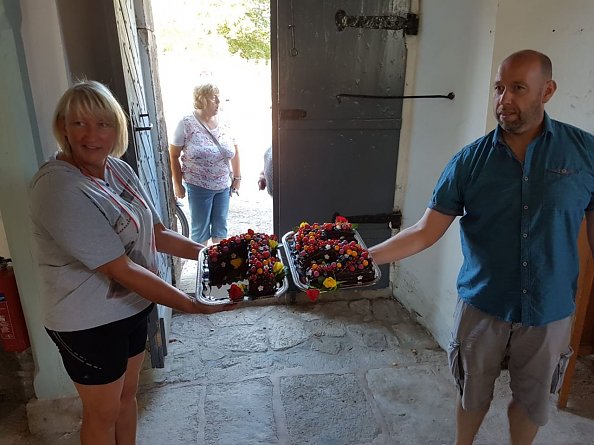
x=394 y=219
x=409 y=22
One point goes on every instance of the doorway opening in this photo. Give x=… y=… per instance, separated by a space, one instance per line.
x=196 y=44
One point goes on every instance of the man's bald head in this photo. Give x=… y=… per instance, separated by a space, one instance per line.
x=523 y=85
x=527 y=55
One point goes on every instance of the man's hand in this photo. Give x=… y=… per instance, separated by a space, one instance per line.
x=413 y=239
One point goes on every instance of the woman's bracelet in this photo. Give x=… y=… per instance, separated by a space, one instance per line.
x=237 y=177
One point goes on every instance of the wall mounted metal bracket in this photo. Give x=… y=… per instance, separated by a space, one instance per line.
x=409 y=22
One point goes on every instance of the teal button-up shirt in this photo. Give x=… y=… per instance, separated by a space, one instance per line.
x=520 y=222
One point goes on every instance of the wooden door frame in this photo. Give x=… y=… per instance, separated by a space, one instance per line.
x=582 y=301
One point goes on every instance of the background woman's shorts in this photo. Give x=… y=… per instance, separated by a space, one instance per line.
x=536 y=357
x=100 y=355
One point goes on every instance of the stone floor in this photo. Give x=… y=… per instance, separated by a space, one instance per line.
x=355 y=370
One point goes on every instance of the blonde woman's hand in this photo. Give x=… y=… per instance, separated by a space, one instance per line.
x=201 y=308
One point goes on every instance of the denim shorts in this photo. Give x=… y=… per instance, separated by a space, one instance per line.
x=208 y=212
x=536 y=357
x=99 y=355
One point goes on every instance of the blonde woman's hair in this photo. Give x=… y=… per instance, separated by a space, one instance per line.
x=91 y=98
x=202 y=93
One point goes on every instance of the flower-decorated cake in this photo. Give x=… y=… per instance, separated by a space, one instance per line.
x=250 y=256
x=328 y=255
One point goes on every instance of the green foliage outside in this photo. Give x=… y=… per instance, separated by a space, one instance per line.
x=249 y=35
x=206 y=28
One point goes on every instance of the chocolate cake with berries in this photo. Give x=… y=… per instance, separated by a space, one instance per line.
x=328 y=255
x=250 y=256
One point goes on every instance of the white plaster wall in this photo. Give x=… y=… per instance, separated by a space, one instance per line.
x=565 y=32
x=453 y=52
x=48 y=78
x=461 y=42
x=47 y=83
x=46 y=65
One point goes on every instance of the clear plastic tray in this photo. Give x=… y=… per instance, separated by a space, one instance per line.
x=288 y=243
x=208 y=294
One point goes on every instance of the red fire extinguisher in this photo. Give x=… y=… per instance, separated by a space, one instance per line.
x=13 y=330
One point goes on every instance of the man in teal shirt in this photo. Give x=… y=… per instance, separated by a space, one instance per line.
x=522 y=192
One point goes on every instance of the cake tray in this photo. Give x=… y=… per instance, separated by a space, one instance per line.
x=207 y=294
x=288 y=243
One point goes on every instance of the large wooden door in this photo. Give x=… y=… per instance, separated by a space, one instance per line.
x=332 y=153
x=149 y=166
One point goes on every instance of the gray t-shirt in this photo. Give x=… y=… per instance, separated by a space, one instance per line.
x=81 y=223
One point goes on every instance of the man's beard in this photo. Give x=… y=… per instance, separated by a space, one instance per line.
x=514 y=126
x=523 y=120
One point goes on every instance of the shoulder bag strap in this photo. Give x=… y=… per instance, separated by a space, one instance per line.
x=212 y=136
x=218 y=144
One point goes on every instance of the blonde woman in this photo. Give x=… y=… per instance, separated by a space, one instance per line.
x=97 y=233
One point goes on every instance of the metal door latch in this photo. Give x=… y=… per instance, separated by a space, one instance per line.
x=393 y=219
x=293 y=114
x=450 y=96
x=145 y=127
x=409 y=22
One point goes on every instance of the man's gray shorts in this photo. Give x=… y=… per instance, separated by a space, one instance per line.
x=535 y=356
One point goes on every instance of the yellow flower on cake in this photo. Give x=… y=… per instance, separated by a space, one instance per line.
x=236 y=262
x=330 y=283
x=278 y=267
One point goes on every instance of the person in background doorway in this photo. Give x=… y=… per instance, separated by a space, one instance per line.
x=209 y=167
x=265 y=178
x=522 y=192
x=97 y=234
